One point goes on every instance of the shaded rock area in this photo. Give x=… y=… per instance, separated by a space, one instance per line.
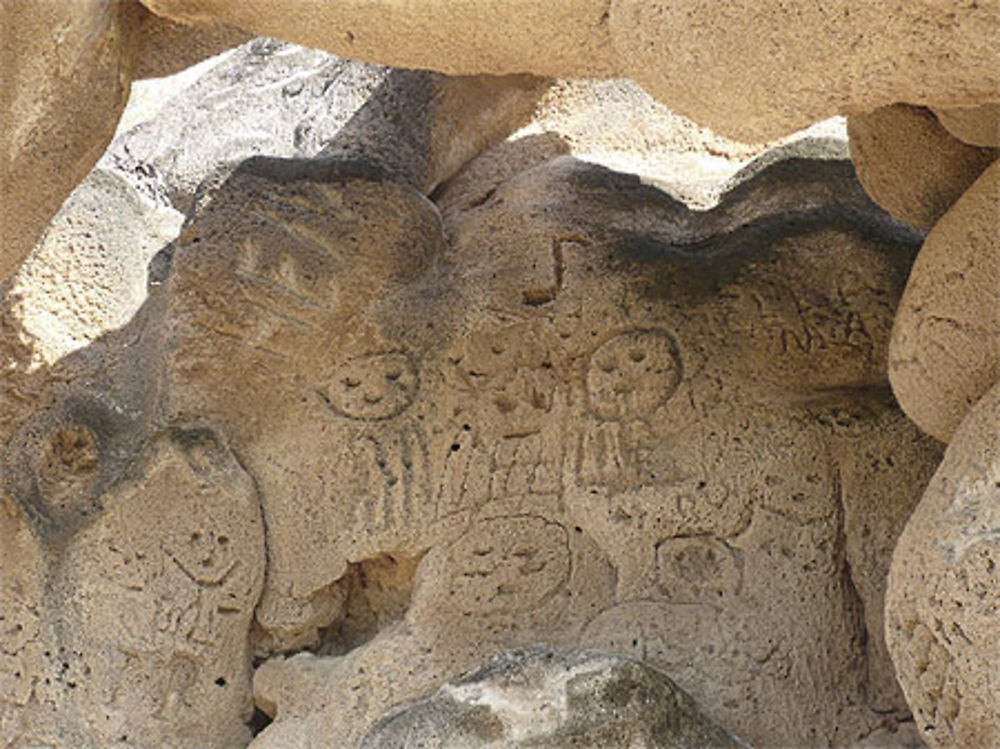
x=345 y=405
x=911 y=165
x=574 y=700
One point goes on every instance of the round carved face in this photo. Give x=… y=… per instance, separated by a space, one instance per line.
x=373 y=387
x=508 y=565
x=512 y=371
x=633 y=374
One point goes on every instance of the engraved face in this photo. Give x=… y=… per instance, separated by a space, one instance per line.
x=513 y=370
x=508 y=565
x=633 y=374
x=373 y=387
x=697 y=569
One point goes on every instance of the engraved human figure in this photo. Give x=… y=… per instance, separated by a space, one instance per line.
x=506 y=381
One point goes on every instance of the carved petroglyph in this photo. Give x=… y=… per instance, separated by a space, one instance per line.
x=391 y=476
x=373 y=387
x=632 y=374
x=507 y=565
x=698 y=569
x=592 y=464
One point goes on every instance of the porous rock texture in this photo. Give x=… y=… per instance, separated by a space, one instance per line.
x=979 y=126
x=539 y=410
x=88 y=274
x=268 y=97
x=357 y=440
x=944 y=591
x=576 y=699
x=945 y=349
x=56 y=55
x=575 y=412
x=754 y=71
x=911 y=165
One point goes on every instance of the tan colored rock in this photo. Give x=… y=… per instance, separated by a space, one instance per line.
x=753 y=73
x=139 y=593
x=757 y=71
x=945 y=348
x=979 y=126
x=618 y=125
x=88 y=275
x=944 y=591
x=581 y=445
x=165 y=47
x=457 y=38
x=24 y=630
x=559 y=700
x=303 y=251
x=67 y=68
x=160 y=592
x=911 y=165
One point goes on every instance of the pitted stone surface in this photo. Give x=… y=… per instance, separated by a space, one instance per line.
x=541 y=405
x=944 y=591
x=67 y=69
x=131 y=606
x=911 y=165
x=582 y=700
x=945 y=350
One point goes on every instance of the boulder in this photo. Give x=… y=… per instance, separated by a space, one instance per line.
x=67 y=68
x=761 y=70
x=979 y=126
x=753 y=73
x=945 y=348
x=558 y=700
x=911 y=165
x=273 y=99
x=466 y=38
x=578 y=413
x=944 y=591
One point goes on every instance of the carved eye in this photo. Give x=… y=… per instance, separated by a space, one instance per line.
x=637 y=355
x=350 y=382
x=393 y=375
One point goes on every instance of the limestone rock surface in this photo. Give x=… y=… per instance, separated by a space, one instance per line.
x=165 y=47
x=88 y=275
x=944 y=591
x=618 y=125
x=458 y=38
x=911 y=165
x=979 y=126
x=365 y=439
x=538 y=409
x=945 y=348
x=66 y=73
x=751 y=71
x=130 y=619
x=275 y=99
x=558 y=700
x=757 y=70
